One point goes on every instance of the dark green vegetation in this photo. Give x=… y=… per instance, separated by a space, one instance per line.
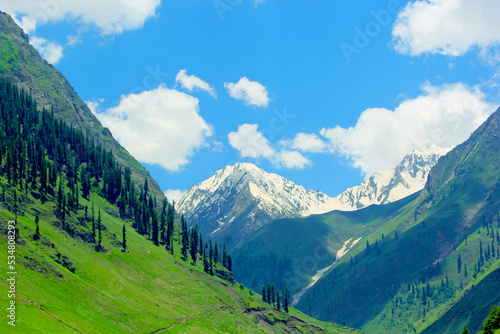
x=416 y=259
x=21 y=64
x=465 y=312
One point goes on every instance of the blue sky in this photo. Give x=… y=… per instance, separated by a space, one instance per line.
x=321 y=92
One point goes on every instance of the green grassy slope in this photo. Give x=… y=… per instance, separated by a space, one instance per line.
x=143 y=290
x=21 y=64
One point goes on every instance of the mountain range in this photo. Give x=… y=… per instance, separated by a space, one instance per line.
x=237 y=200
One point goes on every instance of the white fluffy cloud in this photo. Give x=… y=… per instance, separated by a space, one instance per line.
x=443 y=116
x=292 y=160
x=50 y=51
x=448 y=27
x=306 y=142
x=160 y=126
x=251 y=143
x=174 y=194
x=192 y=82
x=109 y=16
x=251 y=93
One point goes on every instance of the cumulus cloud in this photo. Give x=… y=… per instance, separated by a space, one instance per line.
x=161 y=126
x=193 y=83
x=49 y=50
x=292 y=159
x=448 y=27
x=251 y=93
x=109 y=16
x=306 y=142
x=174 y=194
x=251 y=143
x=443 y=116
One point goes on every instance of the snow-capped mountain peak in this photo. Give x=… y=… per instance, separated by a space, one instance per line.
x=239 y=199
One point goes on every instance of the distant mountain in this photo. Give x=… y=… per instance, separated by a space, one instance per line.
x=391 y=185
x=239 y=199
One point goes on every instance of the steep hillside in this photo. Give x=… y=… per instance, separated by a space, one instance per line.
x=454 y=215
x=80 y=263
x=237 y=200
x=21 y=64
x=471 y=308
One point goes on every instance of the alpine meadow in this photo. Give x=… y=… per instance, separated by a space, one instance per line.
x=253 y=166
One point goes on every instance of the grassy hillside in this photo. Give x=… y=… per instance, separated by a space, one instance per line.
x=139 y=291
x=21 y=64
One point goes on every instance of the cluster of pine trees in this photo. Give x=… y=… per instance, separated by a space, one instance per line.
x=492 y=323
x=55 y=161
x=490 y=250
x=274 y=297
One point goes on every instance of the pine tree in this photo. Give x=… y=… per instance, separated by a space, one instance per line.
x=93 y=223
x=124 y=238
x=37 y=220
x=278 y=302
x=216 y=253
x=465 y=270
x=229 y=263
x=465 y=331
x=193 y=249
x=493 y=321
x=264 y=294
x=163 y=222
x=224 y=256
x=155 y=233
x=170 y=227
x=459 y=263
x=286 y=300
x=99 y=227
